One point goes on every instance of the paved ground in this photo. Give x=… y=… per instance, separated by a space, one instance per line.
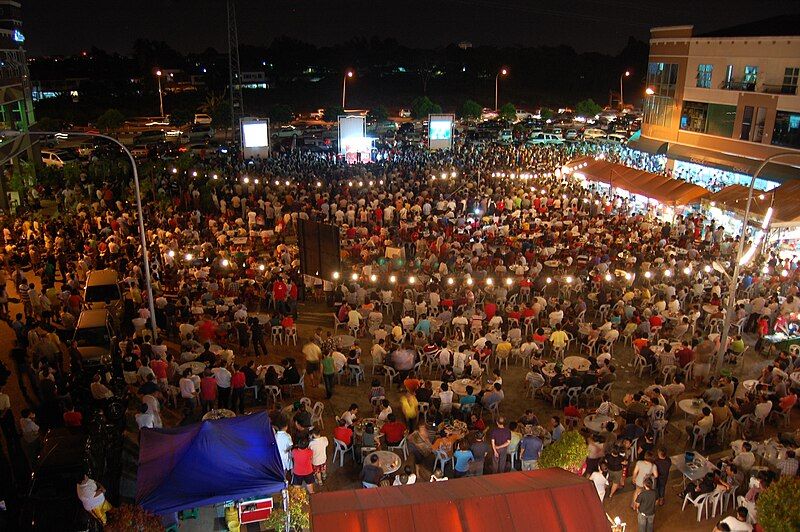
x=516 y=402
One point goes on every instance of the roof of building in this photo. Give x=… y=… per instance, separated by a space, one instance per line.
x=784 y=25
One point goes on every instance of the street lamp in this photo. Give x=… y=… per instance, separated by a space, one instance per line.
x=649 y=91
x=621 y=99
x=502 y=72
x=142 y=234
x=348 y=74
x=742 y=258
x=160 y=95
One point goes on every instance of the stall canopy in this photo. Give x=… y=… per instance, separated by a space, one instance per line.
x=783 y=200
x=548 y=499
x=655 y=186
x=207 y=463
x=781 y=171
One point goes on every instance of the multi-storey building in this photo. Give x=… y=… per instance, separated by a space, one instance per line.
x=722 y=102
x=16 y=107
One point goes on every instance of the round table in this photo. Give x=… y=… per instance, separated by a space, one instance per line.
x=577 y=363
x=262 y=370
x=388 y=461
x=196 y=367
x=459 y=387
x=690 y=407
x=219 y=413
x=750 y=384
x=360 y=424
x=596 y=422
x=711 y=309
x=345 y=341
x=552 y=263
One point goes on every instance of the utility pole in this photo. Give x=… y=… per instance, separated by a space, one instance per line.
x=234 y=72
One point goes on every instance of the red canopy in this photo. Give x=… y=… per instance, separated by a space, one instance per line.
x=548 y=499
x=658 y=187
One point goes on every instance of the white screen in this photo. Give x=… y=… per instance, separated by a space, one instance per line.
x=255 y=135
x=440 y=132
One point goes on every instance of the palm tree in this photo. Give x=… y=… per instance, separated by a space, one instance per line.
x=217 y=106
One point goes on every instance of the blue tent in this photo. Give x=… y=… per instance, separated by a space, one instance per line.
x=207 y=463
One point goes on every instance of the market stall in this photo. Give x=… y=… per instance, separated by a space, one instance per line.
x=228 y=460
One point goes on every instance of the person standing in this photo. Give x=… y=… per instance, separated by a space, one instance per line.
x=238 y=382
x=284 y=442
x=313 y=355
x=319 y=460
x=529 y=449
x=92 y=496
x=645 y=506
x=644 y=470
x=208 y=391
x=500 y=438
x=188 y=392
x=663 y=465
x=328 y=373
x=302 y=468
x=223 y=378
x=410 y=407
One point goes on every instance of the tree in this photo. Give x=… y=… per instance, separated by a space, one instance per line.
x=218 y=107
x=333 y=112
x=471 y=109
x=422 y=107
x=181 y=116
x=779 y=505
x=134 y=518
x=111 y=119
x=587 y=108
x=299 y=512
x=547 y=113
x=508 y=111
x=569 y=452
x=379 y=114
x=281 y=113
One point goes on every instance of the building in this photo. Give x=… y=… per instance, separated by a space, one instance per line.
x=16 y=107
x=719 y=103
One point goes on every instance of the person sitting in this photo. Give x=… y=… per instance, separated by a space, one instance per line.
x=393 y=430
x=290 y=373
x=371 y=473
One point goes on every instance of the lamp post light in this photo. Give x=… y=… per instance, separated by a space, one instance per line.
x=621 y=99
x=742 y=258
x=503 y=72
x=348 y=74
x=160 y=94
x=137 y=191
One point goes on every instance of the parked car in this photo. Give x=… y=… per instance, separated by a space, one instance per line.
x=404 y=113
x=58 y=158
x=147 y=137
x=102 y=289
x=202 y=119
x=617 y=137
x=52 y=501
x=287 y=131
x=94 y=335
x=544 y=138
x=571 y=134
x=594 y=133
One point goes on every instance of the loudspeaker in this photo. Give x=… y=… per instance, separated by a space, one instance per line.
x=319 y=249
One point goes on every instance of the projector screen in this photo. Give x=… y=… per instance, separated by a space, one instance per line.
x=440 y=132
x=352 y=131
x=255 y=134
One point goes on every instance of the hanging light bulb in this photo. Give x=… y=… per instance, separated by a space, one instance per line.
x=336 y=275
x=392 y=279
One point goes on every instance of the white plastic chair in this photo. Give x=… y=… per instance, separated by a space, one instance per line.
x=401 y=446
x=341 y=449
x=700 y=502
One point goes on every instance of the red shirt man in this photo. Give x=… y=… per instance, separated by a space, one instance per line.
x=684 y=355
x=208 y=388
x=238 y=380
x=656 y=321
x=343 y=434
x=159 y=368
x=393 y=430
x=279 y=290
x=73 y=418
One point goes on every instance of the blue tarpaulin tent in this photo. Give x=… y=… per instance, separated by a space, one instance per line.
x=207 y=463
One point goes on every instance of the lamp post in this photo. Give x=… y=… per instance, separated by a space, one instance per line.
x=741 y=259
x=160 y=94
x=348 y=74
x=621 y=99
x=142 y=235
x=502 y=72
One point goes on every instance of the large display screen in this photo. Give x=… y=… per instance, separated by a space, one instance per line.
x=440 y=132
x=255 y=135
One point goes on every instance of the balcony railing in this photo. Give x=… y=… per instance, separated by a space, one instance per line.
x=745 y=86
x=754 y=86
x=779 y=89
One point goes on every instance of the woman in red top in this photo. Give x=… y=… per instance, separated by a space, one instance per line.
x=302 y=469
x=208 y=390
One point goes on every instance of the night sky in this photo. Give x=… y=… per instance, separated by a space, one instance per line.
x=63 y=27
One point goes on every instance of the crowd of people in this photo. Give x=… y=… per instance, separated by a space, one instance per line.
x=453 y=263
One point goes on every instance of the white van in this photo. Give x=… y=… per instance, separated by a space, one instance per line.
x=544 y=138
x=102 y=289
x=94 y=335
x=57 y=158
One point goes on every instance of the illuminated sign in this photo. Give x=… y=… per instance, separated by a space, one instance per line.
x=440 y=132
x=18 y=36
x=255 y=135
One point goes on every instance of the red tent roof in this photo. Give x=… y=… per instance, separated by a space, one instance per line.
x=655 y=186
x=548 y=499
